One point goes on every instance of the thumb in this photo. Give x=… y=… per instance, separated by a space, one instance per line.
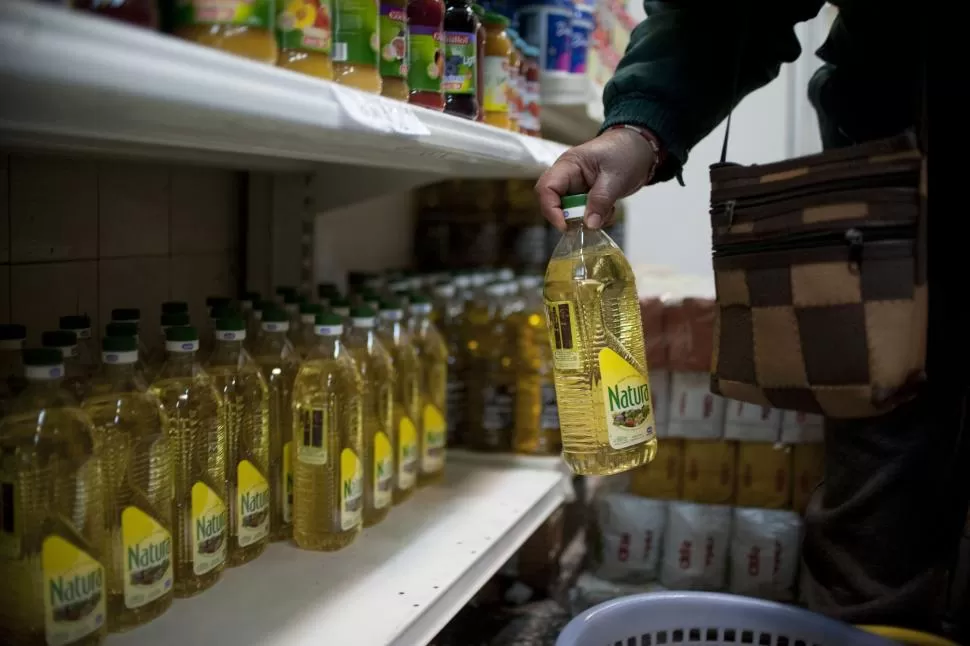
x=601 y=198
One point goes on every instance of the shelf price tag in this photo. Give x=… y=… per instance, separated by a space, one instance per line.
x=404 y=121
x=362 y=110
x=542 y=151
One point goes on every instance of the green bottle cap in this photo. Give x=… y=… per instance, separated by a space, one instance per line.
x=310 y=308
x=262 y=306
x=292 y=298
x=390 y=304
x=43 y=357
x=492 y=18
x=58 y=339
x=361 y=312
x=250 y=296
x=571 y=201
x=232 y=323
x=175 y=307
x=181 y=333
x=223 y=311
x=121 y=328
x=283 y=290
x=119 y=344
x=13 y=332
x=126 y=314
x=328 y=319
x=275 y=315
x=175 y=319
x=339 y=301
x=327 y=290
x=75 y=322
x=217 y=301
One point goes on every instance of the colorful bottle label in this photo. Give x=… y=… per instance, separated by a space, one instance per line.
x=626 y=395
x=208 y=529
x=315 y=423
x=434 y=429
x=427 y=63
x=251 y=13
x=351 y=490
x=561 y=322
x=74 y=594
x=529 y=114
x=305 y=24
x=407 y=441
x=147 y=549
x=461 y=54
x=383 y=470
x=394 y=41
x=252 y=504
x=549 y=29
x=286 y=486
x=9 y=523
x=355 y=38
x=549 y=413
x=496 y=96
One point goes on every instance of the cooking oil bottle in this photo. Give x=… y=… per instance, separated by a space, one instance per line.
x=279 y=363
x=131 y=430
x=328 y=476
x=433 y=357
x=407 y=397
x=75 y=377
x=326 y=291
x=12 y=382
x=126 y=329
x=52 y=537
x=197 y=434
x=536 y=414
x=245 y=397
x=447 y=311
x=596 y=338
x=214 y=305
x=131 y=315
x=340 y=306
x=302 y=334
x=87 y=345
x=377 y=405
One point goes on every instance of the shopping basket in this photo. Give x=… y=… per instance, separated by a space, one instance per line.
x=708 y=618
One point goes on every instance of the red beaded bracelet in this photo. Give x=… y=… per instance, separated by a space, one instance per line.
x=658 y=151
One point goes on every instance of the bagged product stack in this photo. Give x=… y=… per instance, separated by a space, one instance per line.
x=695 y=549
x=764 y=553
x=630 y=533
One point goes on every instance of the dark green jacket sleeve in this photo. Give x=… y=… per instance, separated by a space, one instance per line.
x=677 y=76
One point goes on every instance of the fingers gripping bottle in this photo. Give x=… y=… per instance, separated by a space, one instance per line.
x=596 y=337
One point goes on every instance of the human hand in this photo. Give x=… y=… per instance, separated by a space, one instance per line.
x=609 y=167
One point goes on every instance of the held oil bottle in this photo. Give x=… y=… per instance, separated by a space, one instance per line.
x=245 y=398
x=536 y=415
x=377 y=403
x=407 y=398
x=197 y=434
x=132 y=433
x=433 y=357
x=87 y=345
x=279 y=362
x=596 y=338
x=328 y=476
x=12 y=382
x=75 y=378
x=52 y=538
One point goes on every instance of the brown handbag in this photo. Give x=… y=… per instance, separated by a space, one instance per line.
x=820 y=271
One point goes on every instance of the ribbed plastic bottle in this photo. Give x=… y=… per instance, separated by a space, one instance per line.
x=433 y=357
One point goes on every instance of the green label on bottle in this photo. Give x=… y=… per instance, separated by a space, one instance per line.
x=355 y=37
x=461 y=53
x=305 y=24
x=252 y=13
x=394 y=41
x=427 y=60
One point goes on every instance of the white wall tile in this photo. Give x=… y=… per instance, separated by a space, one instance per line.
x=198 y=276
x=204 y=210
x=133 y=209
x=41 y=293
x=135 y=282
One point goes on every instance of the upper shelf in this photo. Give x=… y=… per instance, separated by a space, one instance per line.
x=82 y=83
x=572 y=107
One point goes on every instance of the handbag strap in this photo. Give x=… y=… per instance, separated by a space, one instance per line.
x=735 y=81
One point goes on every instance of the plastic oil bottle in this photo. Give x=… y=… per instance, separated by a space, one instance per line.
x=433 y=357
x=448 y=308
x=279 y=363
x=12 y=382
x=407 y=397
x=536 y=415
x=126 y=329
x=377 y=405
x=131 y=315
x=245 y=397
x=52 y=537
x=132 y=434
x=328 y=476
x=197 y=434
x=87 y=345
x=340 y=306
x=599 y=361
x=301 y=333
x=75 y=376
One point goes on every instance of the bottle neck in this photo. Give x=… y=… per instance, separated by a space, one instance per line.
x=574 y=224
x=226 y=352
x=329 y=346
x=180 y=363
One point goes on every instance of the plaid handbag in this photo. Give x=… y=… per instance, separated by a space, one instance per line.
x=820 y=270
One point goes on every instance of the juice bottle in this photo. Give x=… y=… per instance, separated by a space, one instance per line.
x=131 y=315
x=12 y=382
x=115 y=328
x=132 y=434
x=433 y=356
x=407 y=398
x=356 y=44
x=303 y=37
x=197 y=434
x=75 y=378
x=377 y=404
x=53 y=537
x=426 y=56
x=328 y=476
x=480 y=61
x=461 y=59
x=279 y=362
x=87 y=347
x=245 y=397
x=498 y=55
x=596 y=338
x=394 y=49
x=240 y=27
x=536 y=414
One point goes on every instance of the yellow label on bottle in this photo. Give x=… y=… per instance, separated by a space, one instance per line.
x=407 y=450
x=563 y=335
x=351 y=489
x=74 y=592
x=208 y=529
x=252 y=505
x=315 y=424
x=287 y=485
x=9 y=523
x=626 y=400
x=147 y=549
x=383 y=470
x=435 y=431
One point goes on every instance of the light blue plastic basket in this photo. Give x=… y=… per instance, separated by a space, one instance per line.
x=707 y=618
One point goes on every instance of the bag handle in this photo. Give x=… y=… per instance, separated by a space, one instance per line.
x=735 y=81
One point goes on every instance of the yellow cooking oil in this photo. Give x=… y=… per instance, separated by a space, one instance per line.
x=197 y=435
x=447 y=313
x=239 y=381
x=407 y=397
x=377 y=405
x=328 y=475
x=52 y=532
x=131 y=430
x=596 y=338
x=279 y=363
x=536 y=414
x=433 y=356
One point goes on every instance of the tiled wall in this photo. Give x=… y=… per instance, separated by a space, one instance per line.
x=84 y=235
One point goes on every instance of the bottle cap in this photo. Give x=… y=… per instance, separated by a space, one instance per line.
x=58 y=339
x=45 y=357
x=327 y=290
x=328 y=325
x=252 y=297
x=131 y=314
x=310 y=308
x=121 y=328
x=119 y=350
x=263 y=306
x=170 y=319
x=492 y=18
x=183 y=338
x=275 y=319
x=75 y=322
x=175 y=307
x=283 y=290
x=447 y=290
x=223 y=311
x=339 y=301
x=574 y=206
x=213 y=302
x=362 y=317
x=292 y=298
x=13 y=332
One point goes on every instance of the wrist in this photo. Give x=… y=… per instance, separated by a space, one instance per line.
x=659 y=151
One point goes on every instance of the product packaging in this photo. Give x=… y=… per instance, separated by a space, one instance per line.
x=590 y=591
x=695 y=412
x=710 y=468
x=662 y=478
x=660 y=397
x=801 y=428
x=696 y=547
x=764 y=553
x=747 y=422
x=627 y=538
x=764 y=475
x=689 y=331
x=808 y=469
x=547 y=25
x=582 y=27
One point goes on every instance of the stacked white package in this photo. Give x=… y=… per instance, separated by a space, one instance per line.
x=764 y=553
x=747 y=422
x=696 y=547
x=802 y=428
x=589 y=591
x=630 y=533
x=695 y=412
x=660 y=395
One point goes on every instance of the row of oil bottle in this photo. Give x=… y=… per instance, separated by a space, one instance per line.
x=131 y=480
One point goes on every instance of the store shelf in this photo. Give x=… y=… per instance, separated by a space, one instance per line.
x=78 y=82
x=399 y=583
x=518 y=461
x=572 y=107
